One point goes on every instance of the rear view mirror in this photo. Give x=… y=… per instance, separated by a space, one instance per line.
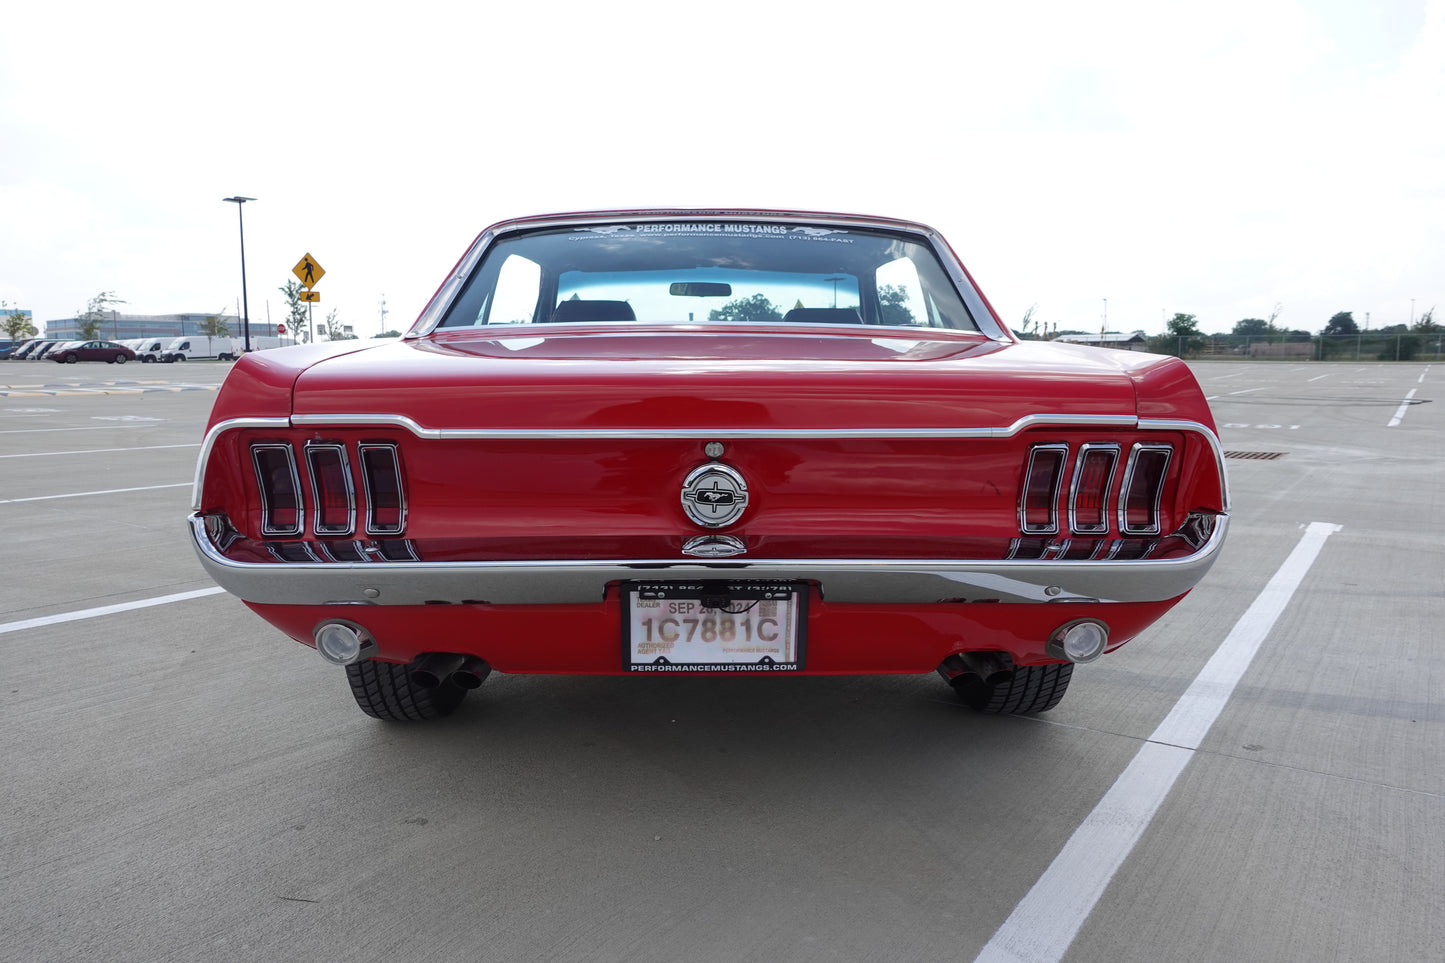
x=700 y=289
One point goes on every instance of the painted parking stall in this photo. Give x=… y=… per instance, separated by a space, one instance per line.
x=1253 y=766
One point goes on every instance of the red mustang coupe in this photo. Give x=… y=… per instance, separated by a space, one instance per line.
x=708 y=441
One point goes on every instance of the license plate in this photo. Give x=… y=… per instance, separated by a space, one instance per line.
x=713 y=626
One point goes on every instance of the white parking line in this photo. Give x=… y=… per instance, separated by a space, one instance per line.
x=1047 y=919
x=105 y=610
x=1245 y=391
x=1400 y=411
x=110 y=491
x=98 y=451
x=36 y=431
x=1318 y=377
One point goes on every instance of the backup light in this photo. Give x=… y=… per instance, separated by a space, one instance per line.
x=1080 y=641
x=343 y=643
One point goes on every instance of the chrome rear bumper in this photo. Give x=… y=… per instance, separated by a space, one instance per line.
x=872 y=581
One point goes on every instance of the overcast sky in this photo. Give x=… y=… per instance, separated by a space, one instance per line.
x=1215 y=159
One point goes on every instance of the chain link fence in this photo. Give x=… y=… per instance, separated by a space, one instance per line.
x=1364 y=346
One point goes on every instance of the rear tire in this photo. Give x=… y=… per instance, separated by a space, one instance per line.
x=1033 y=688
x=120 y=359
x=384 y=690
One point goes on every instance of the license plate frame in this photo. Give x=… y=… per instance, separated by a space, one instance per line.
x=757 y=626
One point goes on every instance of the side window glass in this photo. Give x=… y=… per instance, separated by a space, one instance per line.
x=515 y=297
x=900 y=294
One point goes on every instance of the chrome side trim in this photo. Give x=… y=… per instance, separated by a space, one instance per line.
x=528 y=434
x=874 y=581
x=521 y=434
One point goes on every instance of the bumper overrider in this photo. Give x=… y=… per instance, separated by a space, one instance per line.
x=383 y=581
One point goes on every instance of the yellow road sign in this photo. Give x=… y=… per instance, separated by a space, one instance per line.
x=308 y=271
x=310 y=296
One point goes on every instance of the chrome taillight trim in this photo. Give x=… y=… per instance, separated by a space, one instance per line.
x=1112 y=450
x=263 y=485
x=1051 y=527
x=209 y=443
x=314 y=450
x=366 y=451
x=1154 y=499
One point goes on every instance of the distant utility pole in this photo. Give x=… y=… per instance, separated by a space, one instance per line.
x=240 y=202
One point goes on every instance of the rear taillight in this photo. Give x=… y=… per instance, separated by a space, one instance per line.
x=333 y=492
x=1039 y=511
x=330 y=473
x=385 y=499
x=280 y=486
x=1096 y=497
x=1143 y=489
x=1089 y=493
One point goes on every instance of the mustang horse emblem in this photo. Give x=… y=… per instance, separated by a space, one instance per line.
x=714 y=495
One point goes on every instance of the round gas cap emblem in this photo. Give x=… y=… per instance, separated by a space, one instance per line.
x=714 y=495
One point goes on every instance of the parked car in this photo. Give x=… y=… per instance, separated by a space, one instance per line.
x=708 y=442
x=23 y=348
x=150 y=349
x=44 y=348
x=107 y=351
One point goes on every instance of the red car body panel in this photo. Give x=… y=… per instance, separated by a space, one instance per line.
x=525 y=445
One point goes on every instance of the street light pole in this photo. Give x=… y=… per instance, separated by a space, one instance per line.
x=246 y=304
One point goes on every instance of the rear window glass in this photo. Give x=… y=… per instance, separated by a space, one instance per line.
x=704 y=272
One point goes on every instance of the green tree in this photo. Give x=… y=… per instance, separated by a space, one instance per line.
x=15 y=325
x=1183 y=337
x=92 y=319
x=1026 y=323
x=1427 y=323
x=333 y=328
x=1184 y=326
x=389 y=334
x=756 y=308
x=1251 y=328
x=893 y=305
x=215 y=326
x=297 y=316
x=1342 y=323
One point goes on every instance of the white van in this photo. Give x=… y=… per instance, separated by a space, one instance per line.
x=197 y=347
x=149 y=349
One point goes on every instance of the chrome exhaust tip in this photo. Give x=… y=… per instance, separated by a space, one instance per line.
x=472 y=672
x=992 y=667
x=431 y=669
